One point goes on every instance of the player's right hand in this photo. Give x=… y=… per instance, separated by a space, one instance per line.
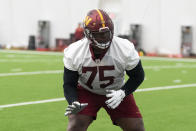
x=75 y=107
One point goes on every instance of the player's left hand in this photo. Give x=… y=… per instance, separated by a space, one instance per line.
x=116 y=98
x=75 y=107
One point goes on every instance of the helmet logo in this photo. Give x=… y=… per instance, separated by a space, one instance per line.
x=87 y=20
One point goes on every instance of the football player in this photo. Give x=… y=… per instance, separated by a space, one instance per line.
x=94 y=70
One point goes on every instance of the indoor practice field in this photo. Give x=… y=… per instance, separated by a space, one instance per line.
x=31 y=94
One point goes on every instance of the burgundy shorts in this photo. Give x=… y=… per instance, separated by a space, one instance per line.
x=126 y=109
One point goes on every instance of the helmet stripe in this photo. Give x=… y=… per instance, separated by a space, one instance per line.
x=87 y=20
x=101 y=16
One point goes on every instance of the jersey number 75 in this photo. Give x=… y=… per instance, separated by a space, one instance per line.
x=100 y=70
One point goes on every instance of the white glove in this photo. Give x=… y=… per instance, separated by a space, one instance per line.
x=116 y=98
x=75 y=108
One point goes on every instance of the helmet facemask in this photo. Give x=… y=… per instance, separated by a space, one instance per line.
x=102 y=38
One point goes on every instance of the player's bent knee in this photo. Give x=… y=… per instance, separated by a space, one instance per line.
x=131 y=124
x=139 y=128
x=136 y=128
x=78 y=124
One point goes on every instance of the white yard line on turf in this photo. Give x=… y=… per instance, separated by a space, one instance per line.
x=169 y=59
x=31 y=52
x=169 y=66
x=62 y=99
x=166 y=87
x=29 y=60
x=61 y=71
x=31 y=73
x=32 y=102
x=61 y=54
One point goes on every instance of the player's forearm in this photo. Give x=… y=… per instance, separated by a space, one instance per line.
x=70 y=85
x=136 y=77
x=70 y=94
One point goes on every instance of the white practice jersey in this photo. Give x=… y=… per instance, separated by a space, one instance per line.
x=98 y=75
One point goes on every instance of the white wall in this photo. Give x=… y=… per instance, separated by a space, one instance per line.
x=5 y=21
x=161 y=22
x=24 y=17
x=161 y=19
x=146 y=13
x=174 y=14
x=64 y=15
x=19 y=18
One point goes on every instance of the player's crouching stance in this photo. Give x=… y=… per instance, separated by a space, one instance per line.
x=94 y=70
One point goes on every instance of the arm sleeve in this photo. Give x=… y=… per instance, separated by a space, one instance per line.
x=70 y=85
x=136 y=77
